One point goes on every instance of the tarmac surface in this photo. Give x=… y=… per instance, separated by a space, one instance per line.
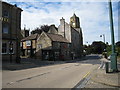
x=94 y=79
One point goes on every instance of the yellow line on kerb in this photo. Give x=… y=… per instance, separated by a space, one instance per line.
x=86 y=74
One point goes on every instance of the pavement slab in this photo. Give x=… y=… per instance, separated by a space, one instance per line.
x=101 y=79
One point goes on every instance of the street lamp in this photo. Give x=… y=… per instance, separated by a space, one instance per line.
x=103 y=35
x=87 y=43
x=113 y=57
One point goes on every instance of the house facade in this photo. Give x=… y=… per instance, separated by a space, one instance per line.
x=53 y=47
x=28 y=45
x=11 y=27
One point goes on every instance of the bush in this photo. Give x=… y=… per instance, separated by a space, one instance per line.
x=109 y=51
x=118 y=51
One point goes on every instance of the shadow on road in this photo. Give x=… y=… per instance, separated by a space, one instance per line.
x=91 y=59
x=32 y=63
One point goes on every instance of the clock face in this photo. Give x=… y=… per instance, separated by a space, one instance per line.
x=73 y=23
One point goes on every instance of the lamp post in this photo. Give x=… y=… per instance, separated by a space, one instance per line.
x=103 y=35
x=113 y=57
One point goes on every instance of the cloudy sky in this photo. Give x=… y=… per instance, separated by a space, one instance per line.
x=94 y=16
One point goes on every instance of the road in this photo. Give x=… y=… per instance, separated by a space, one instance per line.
x=65 y=75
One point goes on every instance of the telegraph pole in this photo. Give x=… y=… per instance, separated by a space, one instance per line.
x=113 y=55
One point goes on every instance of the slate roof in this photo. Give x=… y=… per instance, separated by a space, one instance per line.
x=31 y=37
x=12 y=5
x=57 y=38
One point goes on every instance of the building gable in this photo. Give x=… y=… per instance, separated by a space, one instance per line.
x=43 y=41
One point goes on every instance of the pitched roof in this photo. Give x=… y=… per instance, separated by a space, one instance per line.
x=57 y=37
x=31 y=37
x=3 y=2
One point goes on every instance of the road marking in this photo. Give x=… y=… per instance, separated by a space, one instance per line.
x=28 y=78
x=86 y=74
x=83 y=82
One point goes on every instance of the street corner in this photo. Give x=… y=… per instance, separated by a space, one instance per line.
x=101 y=79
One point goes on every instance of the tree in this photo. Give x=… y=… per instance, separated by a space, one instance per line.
x=39 y=30
x=45 y=28
x=118 y=44
x=98 y=47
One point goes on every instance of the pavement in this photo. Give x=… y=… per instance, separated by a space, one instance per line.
x=100 y=79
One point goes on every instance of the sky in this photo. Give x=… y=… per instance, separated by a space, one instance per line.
x=93 y=15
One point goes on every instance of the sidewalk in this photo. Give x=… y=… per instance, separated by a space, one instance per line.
x=100 y=79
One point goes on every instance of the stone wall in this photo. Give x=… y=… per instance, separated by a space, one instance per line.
x=43 y=42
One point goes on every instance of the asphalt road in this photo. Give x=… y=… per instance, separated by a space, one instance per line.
x=65 y=75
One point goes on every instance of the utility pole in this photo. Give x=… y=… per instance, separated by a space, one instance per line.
x=113 y=55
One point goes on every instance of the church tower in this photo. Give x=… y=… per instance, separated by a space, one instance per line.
x=74 y=21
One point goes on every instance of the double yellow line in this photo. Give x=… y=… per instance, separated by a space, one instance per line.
x=86 y=74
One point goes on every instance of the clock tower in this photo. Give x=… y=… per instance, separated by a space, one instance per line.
x=74 y=21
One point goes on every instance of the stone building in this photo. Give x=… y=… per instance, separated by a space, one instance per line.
x=66 y=42
x=29 y=44
x=52 y=47
x=46 y=46
x=11 y=27
x=73 y=33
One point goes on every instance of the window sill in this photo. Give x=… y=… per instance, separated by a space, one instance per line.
x=4 y=53
x=7 y=53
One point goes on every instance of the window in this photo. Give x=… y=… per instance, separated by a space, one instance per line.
x=68 y=45
x=21 y=44
x=4 y=47
x=40 y=46
x=6 y=13
x=28 y=43
x=5 y=28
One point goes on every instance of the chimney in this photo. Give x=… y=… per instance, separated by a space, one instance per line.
x=62 y=21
